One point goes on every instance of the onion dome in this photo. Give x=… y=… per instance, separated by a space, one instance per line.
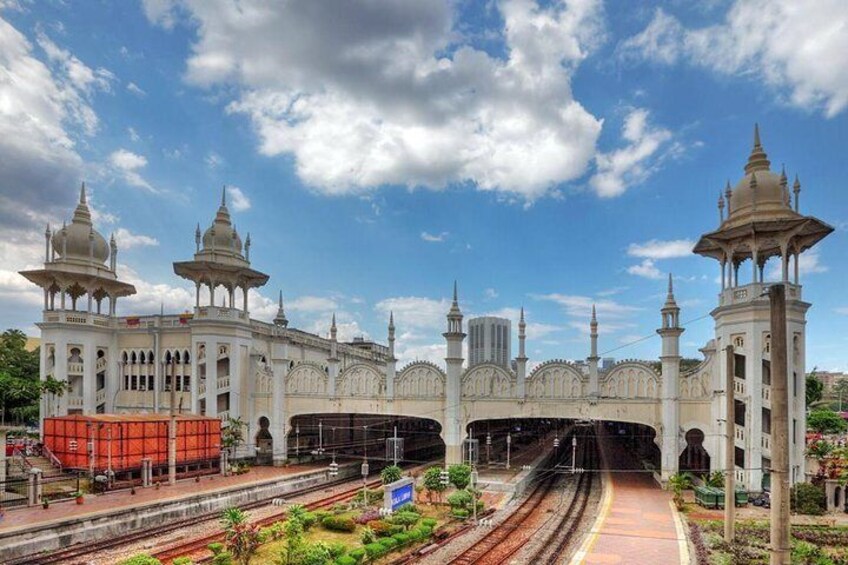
x=79 y=240
x=761 y=191
x=222 y=237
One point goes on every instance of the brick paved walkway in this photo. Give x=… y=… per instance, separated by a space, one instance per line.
x=636 y=525
x=18 y=517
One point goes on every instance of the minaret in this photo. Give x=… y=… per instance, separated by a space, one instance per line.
x=333 y=359
x=113 y=255
x=391 y=362
x=454 y=336
x=594 y=386
x=670 y=333
x=521 y=360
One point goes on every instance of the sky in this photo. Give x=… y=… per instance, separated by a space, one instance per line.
x=550 y=155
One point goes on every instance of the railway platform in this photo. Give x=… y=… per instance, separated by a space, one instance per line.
x=637 y=523
x=95 y=505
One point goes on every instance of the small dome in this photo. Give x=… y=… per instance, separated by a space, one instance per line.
x=74 y=241
x=761 y=190
x=222 y=236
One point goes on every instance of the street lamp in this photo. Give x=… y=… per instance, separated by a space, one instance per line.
x=365 y=467
x=297 y=442
x=508 y=445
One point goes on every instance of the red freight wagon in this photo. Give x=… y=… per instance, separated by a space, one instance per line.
x=121 y=441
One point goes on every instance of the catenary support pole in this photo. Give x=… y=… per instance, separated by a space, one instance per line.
x=730 y=451
x=780 y=526
x=172 y=429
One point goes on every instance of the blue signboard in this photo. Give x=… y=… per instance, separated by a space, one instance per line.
x=401 y=496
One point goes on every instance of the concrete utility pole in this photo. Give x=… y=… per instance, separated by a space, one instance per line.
x=780 y=525
x=172 y=429
x=730 y=451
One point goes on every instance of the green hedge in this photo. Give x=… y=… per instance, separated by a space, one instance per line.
x=375 y=550
x=141 y=559
x=339 y=524
x=346 y=560
x=430 y=522
x=358 y=554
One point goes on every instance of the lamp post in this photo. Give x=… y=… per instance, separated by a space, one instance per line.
x=365 y=467
x=297 y=442
x=508 y=445
x=474 y=491
x=320 y=437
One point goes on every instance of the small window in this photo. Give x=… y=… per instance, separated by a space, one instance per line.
x=766 y=421
x=739 y=341
x=739 y=412
x=766 y=372
x=738 y=366
x=739 y=457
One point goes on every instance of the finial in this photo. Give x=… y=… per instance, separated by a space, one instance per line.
x=783 y=175
x=670 y=286
x=391 y=319
x=224 y=196
x=521 y=319
x=82 y=193
x=47 y=231
x=758 y=160
x=594 y=316
x=796 y=187
x=454 y=291
x=197 y=230
x=112 y=242
x=281 y=299
x=333 y=324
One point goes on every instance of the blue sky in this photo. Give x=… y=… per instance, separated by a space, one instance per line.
x=548 y=155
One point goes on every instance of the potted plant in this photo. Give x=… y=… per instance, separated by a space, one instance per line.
x=45 y=502
x=78 y=496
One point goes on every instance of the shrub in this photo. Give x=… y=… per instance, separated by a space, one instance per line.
x=183 y=561
x=368 y=536
x=401 y=538
x=380 y=527
x=337 y=549
x=459 y=475
x=321 y=514
x=807 y=498
x=367 y=516
x=308 y=519
x=374 y=550
x=346 y=560
x=391 y=474
x=317 y=553
x=430 y=522
x=215 y=547
x=460 y=499
x=141 y=559
x=409 y=507
x=405 y=519
x=223 y=558
x=388 y=543
x=426 y=530
x=339 y=524
x=358 y=554
x=460 y=512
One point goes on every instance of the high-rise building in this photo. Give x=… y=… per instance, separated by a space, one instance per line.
x=489 y=341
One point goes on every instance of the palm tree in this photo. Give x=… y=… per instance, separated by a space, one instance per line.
x=679 y=482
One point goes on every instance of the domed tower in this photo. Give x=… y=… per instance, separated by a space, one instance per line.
x=221 y=334
x=761 y=224
x=80 y=295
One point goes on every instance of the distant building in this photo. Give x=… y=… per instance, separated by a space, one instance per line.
x=830 y=379
x=607 y=363
x=489 y=341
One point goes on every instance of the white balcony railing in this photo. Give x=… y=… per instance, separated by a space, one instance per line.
x=75 y=401
x=223 y=383
x=75 y=368
x=100 y=366
x=101 y=396
x=224 y=415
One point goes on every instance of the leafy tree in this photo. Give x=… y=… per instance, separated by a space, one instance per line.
x=317 y=553
x=820 y=449
x=391 y=474
x=233 y=434
x=241 y=538
x=294 y=545
x=433 y=482
x=55 y=389
x=815 y=388
x=459 y=475
x=826 y=421
x=405 y=519
x=714 y=479
x=19 y=378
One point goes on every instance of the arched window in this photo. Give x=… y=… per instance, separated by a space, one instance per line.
x=177 y=356
x=142 y=358
x=186 y=357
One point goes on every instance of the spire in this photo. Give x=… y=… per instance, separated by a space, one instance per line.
x=670 y=303
x=594 y=315
x=333 y=329
x=82 y=194
x=757 y=160
x=391 y=321
x=720 y=207
x=454 y=292
x=521 y=319
x=280 y=319
x=727 y=194
x=224 y=196
x=670 y=286
x=784 y=185
x=112 y=243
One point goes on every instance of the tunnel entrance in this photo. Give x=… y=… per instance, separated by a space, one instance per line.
x=363 y=436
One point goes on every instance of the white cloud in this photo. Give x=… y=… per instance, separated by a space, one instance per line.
x=490 y=293
x=810 y=263
x=14 y=287
x=149 y=296
x=127 y=240
x=581 y=306
x=415 y=312
x=213 y=160
x=633 y=163
x=438 y=238
x=135 y=89
x=646 y=269
x=409 y=352
x=134 y=137
x=659 y=249
x=388 y=93
x=800 y=49
x=127 y=164
x=312 y=304
x=843 y=310
x=238 y=199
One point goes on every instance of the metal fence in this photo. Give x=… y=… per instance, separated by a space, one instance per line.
x=13 y=492
x=59 y=488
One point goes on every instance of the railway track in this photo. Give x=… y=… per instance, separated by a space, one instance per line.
x=504 y=541
x=76 y=554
